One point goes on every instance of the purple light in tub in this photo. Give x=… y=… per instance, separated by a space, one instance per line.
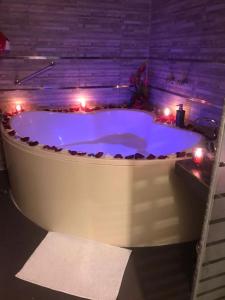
x=111 y=132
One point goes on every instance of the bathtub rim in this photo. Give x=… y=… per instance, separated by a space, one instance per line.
x=105 y=159
x=65 y=156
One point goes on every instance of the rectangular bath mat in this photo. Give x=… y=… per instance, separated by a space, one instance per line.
x=76 y=266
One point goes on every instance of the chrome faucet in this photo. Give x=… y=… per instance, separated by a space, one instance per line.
x=209 y=127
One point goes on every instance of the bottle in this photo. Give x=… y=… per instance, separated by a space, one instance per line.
x=180 y=116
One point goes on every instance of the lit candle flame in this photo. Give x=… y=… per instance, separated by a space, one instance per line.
x=167 y=112
x=82 y=102
x=18 y=108
x=198 y=155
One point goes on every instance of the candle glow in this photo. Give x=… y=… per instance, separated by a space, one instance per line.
x=82 y=102
x=198 y=155
x=167 y=112
x=18 y=108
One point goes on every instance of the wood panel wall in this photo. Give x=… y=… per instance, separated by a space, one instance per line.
x=94 y=44
x=187 y=54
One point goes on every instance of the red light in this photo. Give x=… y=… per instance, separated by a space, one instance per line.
x=198 y=155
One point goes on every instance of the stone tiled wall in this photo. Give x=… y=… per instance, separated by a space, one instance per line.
x=113 y=34
x=187 y=54
x=185 y=41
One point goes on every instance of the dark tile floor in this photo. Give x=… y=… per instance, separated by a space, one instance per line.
x=154 y=273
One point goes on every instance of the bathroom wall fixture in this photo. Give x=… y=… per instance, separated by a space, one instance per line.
x=25 y=79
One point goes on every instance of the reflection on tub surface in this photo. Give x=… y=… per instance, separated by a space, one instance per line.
x=113 y=144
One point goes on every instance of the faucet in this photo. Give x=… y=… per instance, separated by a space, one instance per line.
x=207 y=126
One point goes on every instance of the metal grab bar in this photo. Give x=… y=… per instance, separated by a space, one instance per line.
x=20 y=81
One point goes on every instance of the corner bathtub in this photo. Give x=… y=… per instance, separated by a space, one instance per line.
x=117 y=201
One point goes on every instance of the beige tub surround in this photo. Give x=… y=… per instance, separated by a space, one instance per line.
x=120 y=202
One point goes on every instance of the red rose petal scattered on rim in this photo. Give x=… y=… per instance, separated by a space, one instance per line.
x=7 y=114
x=151 y=156
x=91 y=154
x=99 y=154
x=7 y=126
x=181 y=154
x=139 y=156
x=12 y=133
x=81 y=153
x=72 y=152
x=46 y=147
x=118 y=156
x=25 y=139
x=33 y=143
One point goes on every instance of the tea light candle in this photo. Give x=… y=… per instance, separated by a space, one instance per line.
x=167 y=116
x=82 y=102
x=167 y=112
x=18 y=108
x=198 y=155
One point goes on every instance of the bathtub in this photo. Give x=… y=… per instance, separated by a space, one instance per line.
x=124 y=202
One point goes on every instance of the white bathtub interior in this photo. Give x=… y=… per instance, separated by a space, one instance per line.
x=112 y=132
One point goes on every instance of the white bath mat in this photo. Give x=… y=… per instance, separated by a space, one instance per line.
x=77 y=266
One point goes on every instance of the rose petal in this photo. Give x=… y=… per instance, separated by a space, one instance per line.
x=138 y=156
x=81 y=153
x=72 y=152
x=12 y=133
x=91 y=154
x=99 y=154
x=151 y=156
x=25 y=139
x=46 y=147
x=118 y=156
x=181 y=154
x=33 y=143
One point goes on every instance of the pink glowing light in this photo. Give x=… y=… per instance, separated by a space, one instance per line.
x=167 y=112
x=82 y=102
x=18 y=108
x=198 y=155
